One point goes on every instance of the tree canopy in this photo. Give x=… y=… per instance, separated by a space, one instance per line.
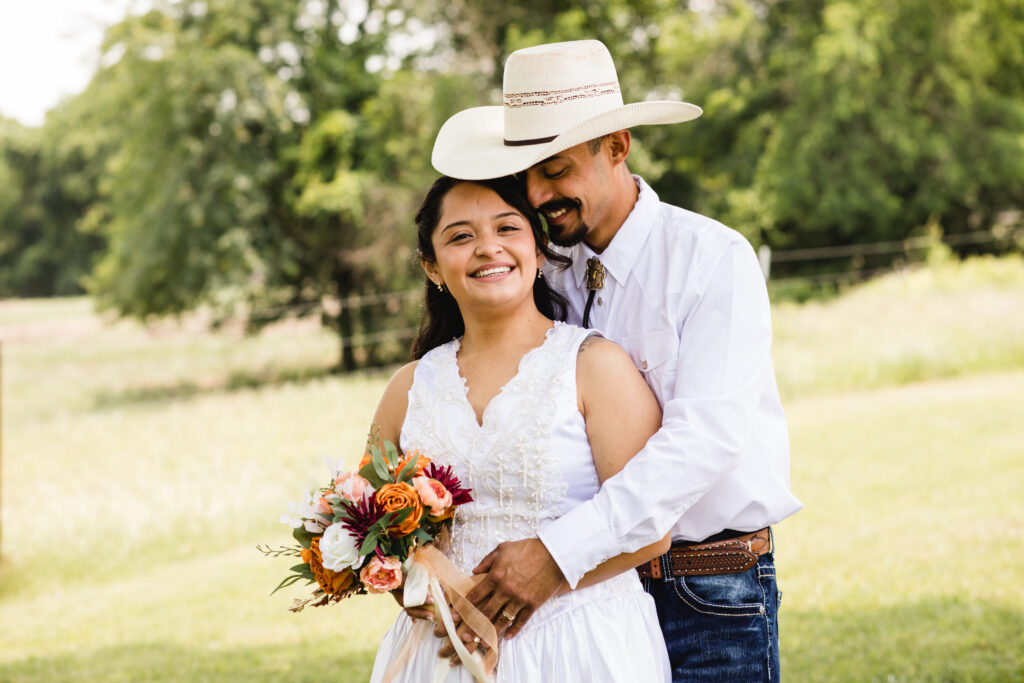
x=268 y=155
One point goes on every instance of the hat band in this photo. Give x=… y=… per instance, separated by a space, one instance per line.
x=534 y=141
x=547 y=98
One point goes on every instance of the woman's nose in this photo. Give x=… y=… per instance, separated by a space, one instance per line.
x=488 y=244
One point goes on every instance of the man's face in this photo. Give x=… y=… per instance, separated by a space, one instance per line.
x=573 y=190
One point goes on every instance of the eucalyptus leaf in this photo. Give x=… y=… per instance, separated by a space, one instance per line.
x=408 y=470
x=381 y=467
x=287 y=581
x=302 y=536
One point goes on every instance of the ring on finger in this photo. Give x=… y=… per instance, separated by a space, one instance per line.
x=505 y=613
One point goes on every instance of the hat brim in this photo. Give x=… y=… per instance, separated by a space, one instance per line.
x=471 y=144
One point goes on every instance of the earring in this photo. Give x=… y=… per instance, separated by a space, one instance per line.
x=540 y=274
x=440 y=287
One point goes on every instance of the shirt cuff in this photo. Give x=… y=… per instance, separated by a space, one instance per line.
x=578 y=541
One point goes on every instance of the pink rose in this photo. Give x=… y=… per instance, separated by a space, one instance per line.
x=433 y=494
x=381 y=576
x=351 y=486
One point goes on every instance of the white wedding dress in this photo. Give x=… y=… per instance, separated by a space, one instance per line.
x=529 y=462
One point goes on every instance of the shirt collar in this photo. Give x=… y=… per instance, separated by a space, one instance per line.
x=620 y=255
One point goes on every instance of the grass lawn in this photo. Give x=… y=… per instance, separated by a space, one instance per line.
x=142 y=466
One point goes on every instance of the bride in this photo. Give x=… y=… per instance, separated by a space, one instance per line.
x=533 y=415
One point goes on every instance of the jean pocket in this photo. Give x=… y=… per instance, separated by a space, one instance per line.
x=726 y=595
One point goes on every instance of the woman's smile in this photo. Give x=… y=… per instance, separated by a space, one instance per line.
x=490 y=271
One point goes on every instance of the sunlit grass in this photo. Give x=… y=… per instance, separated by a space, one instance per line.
x=920 y=324
x=141 y=467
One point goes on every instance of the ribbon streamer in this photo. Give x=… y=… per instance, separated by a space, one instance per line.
x=430 y=567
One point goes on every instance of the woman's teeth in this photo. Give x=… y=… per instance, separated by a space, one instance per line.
x=491 y=271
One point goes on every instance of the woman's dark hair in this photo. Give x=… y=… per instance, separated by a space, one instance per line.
x=442 y=320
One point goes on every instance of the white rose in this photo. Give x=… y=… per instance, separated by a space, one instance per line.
x=339 y=549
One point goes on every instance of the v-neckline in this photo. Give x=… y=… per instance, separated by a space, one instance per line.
x=482 y=420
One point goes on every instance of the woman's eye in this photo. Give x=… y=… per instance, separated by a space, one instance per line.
x=458 y=237
x=508 y=228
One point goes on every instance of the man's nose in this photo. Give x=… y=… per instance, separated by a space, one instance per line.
x=538 y=191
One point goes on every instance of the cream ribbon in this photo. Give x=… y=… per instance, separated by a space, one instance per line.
x=428 y=568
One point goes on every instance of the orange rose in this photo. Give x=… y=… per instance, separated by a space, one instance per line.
x=394 y=497
x=332 y=583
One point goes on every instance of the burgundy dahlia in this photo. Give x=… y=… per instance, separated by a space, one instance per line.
x=362 y=515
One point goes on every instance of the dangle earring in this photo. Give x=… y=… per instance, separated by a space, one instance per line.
x=440 y=287
x=540 y=274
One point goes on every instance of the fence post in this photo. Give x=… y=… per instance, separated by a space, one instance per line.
x=1 y=450
x=764 y=257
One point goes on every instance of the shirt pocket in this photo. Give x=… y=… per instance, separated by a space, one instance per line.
x=654 y=354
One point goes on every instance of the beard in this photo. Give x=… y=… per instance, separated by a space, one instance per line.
x=563 y=235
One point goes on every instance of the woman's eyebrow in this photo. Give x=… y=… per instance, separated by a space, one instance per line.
x=452 y=225
x=494 y=217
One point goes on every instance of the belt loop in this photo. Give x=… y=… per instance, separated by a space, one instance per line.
x=666 y=566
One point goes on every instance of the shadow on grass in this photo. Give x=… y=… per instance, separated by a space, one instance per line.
x=946 y=639
x=235 y=381
x=942 y=640
x=337 y=662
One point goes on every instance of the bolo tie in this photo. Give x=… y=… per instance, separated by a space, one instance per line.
x=595 y=281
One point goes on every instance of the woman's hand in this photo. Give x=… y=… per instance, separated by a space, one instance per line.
x=424 y=611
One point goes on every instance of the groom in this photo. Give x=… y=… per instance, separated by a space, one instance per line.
x=685 y=297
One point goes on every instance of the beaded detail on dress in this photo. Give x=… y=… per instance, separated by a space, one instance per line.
x=507 y=461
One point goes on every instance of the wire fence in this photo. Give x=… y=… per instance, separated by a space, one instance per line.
x=1012 y=236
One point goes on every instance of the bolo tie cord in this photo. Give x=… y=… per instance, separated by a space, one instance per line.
x=586 y=309
x=595 y=281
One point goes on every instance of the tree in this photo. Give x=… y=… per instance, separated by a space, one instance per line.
x=47 y=181
x=259 y=167
x=830 y=122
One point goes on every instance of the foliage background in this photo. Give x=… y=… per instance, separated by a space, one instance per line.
x=263 y=158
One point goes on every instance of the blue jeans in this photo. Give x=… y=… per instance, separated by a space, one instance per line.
x=723 y=627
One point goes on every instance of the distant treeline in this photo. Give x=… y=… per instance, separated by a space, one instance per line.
x=255 y=155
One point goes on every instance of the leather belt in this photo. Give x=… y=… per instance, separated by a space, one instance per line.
x=725 y=556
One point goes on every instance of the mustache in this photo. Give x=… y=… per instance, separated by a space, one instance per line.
x=556 y=204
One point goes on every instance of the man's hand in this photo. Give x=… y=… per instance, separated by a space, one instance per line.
x=466 y=635
x=521 y=576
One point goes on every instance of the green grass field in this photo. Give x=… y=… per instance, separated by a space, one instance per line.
x=142 y=466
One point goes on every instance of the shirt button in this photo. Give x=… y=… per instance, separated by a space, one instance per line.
x=644 y=365
x=600 y=301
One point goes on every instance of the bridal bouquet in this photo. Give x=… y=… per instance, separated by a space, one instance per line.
x=356 y=534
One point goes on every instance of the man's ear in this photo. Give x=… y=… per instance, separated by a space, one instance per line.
x=618 y=146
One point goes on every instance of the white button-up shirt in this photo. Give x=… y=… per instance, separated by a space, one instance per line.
x=685 y=297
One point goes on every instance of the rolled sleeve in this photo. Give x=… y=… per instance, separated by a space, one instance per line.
x=723 y=355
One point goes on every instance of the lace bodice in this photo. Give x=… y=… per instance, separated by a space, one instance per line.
x=529 y=462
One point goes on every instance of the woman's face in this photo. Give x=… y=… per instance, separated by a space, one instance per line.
x=485 y=250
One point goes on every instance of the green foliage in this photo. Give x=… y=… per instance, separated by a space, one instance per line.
x=831 y=122
x=46 y=184
x=265 y=157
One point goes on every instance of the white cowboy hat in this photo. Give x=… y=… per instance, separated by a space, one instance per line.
x=555 y=96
